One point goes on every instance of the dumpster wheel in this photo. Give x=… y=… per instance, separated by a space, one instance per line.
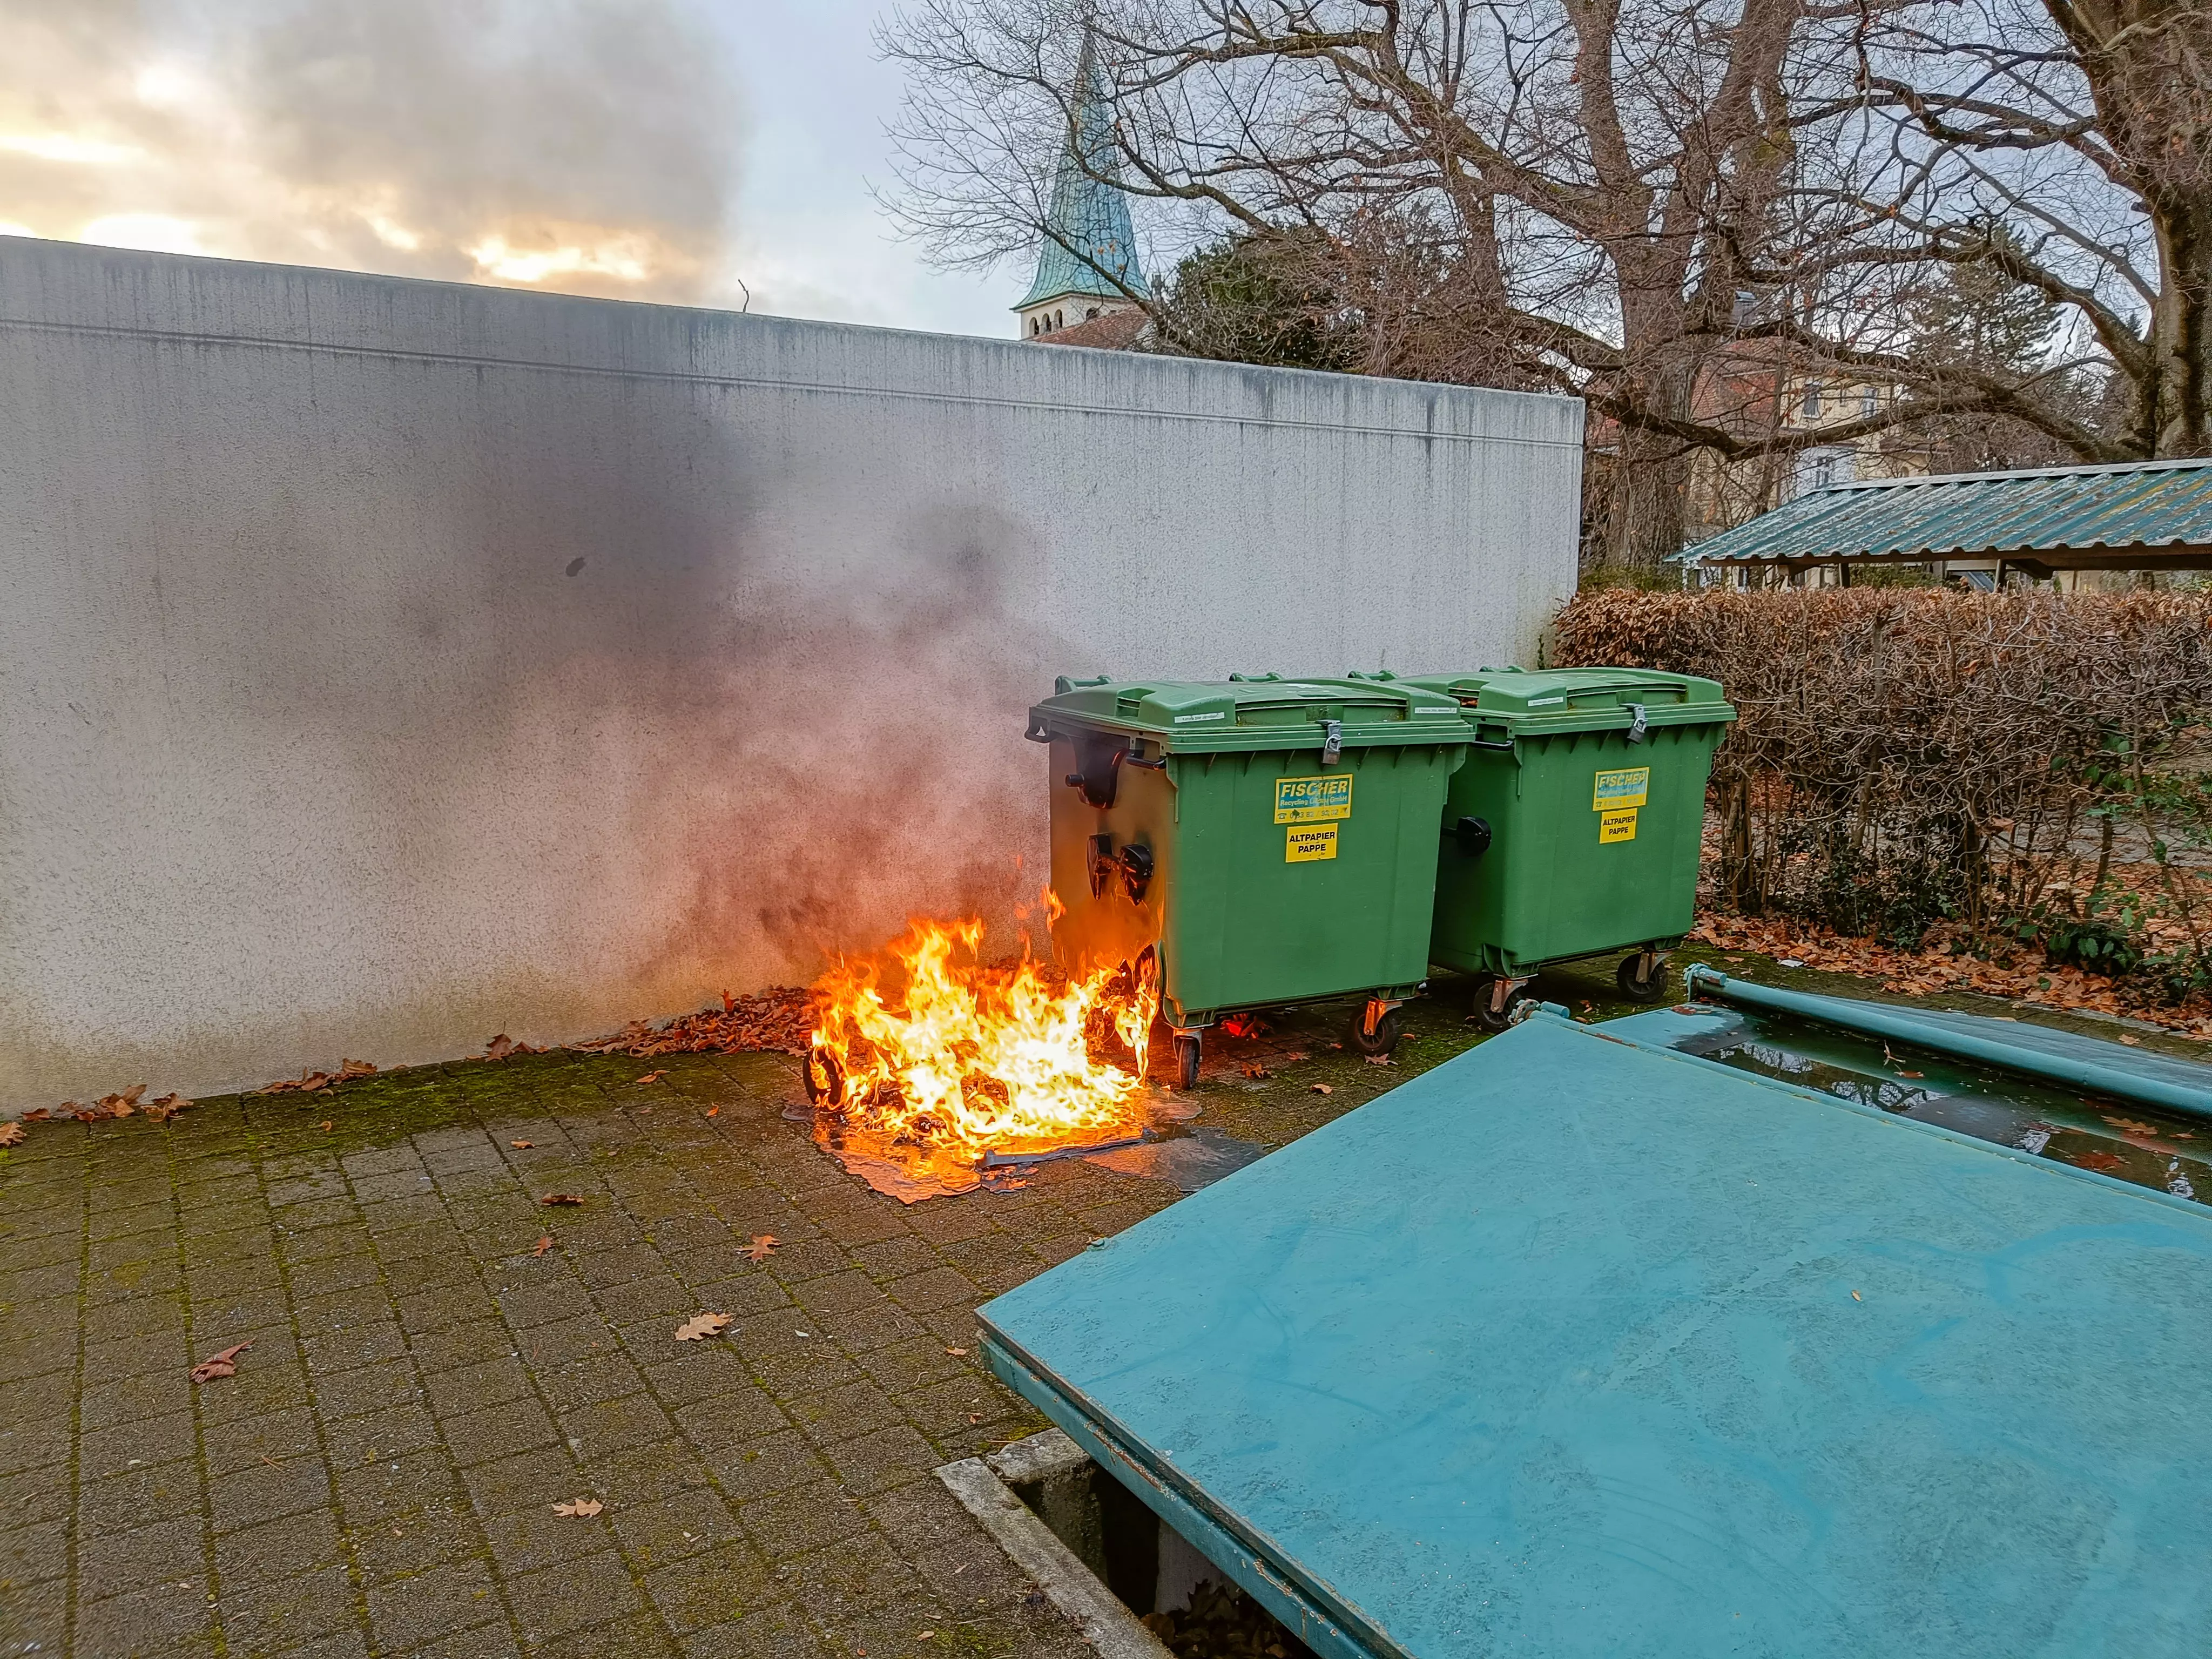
x=1489 y=1010
x=1373 y=1033
x=1642 y=977
x=1187 y=1048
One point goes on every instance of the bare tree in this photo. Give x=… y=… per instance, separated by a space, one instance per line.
x=2064 y=146
x=1676 y=209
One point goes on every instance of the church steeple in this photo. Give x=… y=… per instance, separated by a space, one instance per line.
x=1087 y=230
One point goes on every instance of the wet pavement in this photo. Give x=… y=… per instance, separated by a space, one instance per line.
x=424 y=1386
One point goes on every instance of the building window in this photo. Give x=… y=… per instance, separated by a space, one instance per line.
x=1811 y=407
x=1823 y=468
x=1870 y=401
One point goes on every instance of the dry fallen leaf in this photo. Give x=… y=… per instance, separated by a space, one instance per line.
x=1378 y=1060
x=2132 y=1041
x=1256 y=1069
x=221 y=1364
x=653 y=1077
x=1856 y=1296
x=1912 y=1074
x=2102 y=1161
x=711 y=1110
x=702 y=1325
x=348 y=1069
x=560 y=1198
x=1323 y=1089
x=11 y=1134
x=2131 y=1125
x=543 y=1245
x=499 y=1047
x=162 y=1108
x=761 y=1248
x=522 y=1146
x=327 y=1126
x=580 y=1506
x=958 y=1353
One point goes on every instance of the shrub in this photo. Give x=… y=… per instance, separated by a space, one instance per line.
x=1981 y=770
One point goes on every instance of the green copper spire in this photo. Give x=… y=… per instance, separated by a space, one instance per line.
x=1087 y=232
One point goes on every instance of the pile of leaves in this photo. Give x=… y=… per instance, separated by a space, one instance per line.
x=774 y=1021
x=1221 y=1622
x=1918 y=767
x=2024 y=976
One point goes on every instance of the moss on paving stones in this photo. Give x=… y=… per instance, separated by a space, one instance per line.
x=423 y=1387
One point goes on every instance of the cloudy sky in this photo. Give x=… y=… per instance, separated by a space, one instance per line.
x=684 y=150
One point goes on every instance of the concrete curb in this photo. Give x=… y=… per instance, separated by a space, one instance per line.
x=1070 y=1586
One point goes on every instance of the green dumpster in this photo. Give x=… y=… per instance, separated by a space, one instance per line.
x=1575 y=827
x=1248 y=843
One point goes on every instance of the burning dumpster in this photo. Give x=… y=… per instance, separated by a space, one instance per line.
x=1248 y=843
x=1574 y=828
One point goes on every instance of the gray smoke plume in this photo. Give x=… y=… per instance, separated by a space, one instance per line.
x=585 y=145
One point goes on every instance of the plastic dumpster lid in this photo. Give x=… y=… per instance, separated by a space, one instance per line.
x=1250 y=713
x=1575 y=699
x=1664 y=1358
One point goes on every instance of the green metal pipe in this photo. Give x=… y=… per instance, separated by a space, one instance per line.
x=1882 y=1020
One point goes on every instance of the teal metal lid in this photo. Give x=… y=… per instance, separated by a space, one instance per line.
x=1575 y=699
x=1250 y=713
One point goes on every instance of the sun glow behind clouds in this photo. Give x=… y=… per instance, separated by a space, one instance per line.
x=587 y=145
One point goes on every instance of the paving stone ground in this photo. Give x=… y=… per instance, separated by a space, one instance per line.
x=421 y=1389
x=380 y=1476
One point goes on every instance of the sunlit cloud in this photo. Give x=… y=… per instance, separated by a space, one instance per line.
x=67 y=147
x=154 y=233
x=584 y=145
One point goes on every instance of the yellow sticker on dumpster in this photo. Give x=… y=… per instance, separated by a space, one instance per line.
x=1616 y=826
x=1313 y=800
x=1305 y=846
x=1626 y=787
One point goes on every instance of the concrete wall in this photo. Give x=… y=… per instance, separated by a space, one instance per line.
x=385 y=664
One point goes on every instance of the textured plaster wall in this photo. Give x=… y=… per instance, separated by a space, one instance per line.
x=387 y=664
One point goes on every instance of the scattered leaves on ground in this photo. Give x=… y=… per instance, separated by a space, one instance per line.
x=561 y=1198
x=2031 y=979
x=774 y=1021
x=761 y=1248
x=713 y=1111
x=1913 y=1074
x=11 y=1134
x=327 y=1126
x=653 y=1077
x=522 y=1146
x=1255 y=1071
x=1378 y=1060
x=2132 y=1041
x=2102 y=1161
x=585 y=1506
x=957 y=1353
x=221 y=1364
x=544 y=1244
x=162 y=1108
x=702 y=1325
x=499 y=1047
x=1323 y=1089
x=2131 y=1125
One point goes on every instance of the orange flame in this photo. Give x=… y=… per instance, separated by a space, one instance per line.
x=965 y=1059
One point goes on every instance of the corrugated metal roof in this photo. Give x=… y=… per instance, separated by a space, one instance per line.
x=1970 y=515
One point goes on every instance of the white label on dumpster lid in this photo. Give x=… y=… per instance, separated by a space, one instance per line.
x=1192 y=719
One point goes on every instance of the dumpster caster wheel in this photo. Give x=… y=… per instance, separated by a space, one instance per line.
x=1186 y=1045
x=1642 y=978
x=1492 y=1012
x=1379 y=1037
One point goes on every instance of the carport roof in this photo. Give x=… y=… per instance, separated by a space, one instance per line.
x=2137 y=515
